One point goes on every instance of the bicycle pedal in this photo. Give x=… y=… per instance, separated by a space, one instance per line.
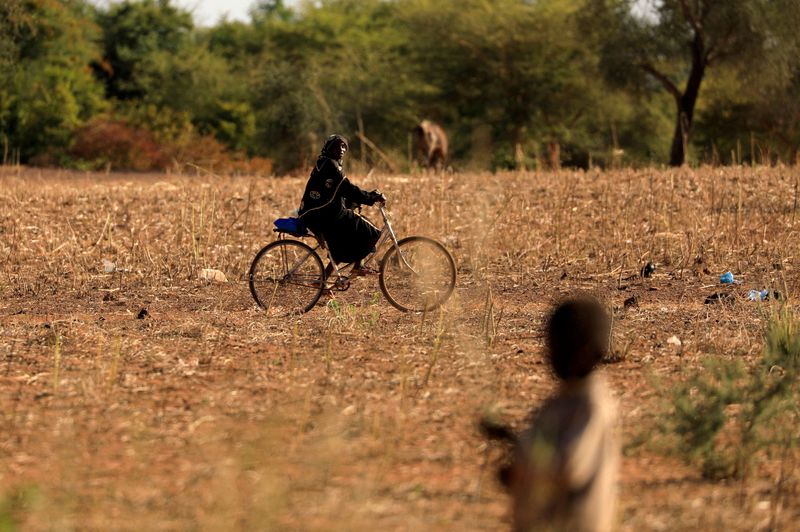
x=341 y=285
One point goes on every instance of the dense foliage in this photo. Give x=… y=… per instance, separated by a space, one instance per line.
x=516 y=83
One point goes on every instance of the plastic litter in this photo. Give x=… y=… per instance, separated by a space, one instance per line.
x=648 y=269
x=211 y=275
x=758 y=295
x=111 y=267
x=727 y=278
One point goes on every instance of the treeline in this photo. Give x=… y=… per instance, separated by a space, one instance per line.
x=515 y=83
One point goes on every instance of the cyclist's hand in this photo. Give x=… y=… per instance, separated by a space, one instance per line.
x=377 y=197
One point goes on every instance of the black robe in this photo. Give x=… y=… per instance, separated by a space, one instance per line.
x=349 y=237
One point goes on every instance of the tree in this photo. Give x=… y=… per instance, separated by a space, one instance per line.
x=139 y=38
x=12 y=19
x=336 y=66
x=154 y=57
x=518 y=66
x=677 y=41
x=49 y=90
x=366 y=79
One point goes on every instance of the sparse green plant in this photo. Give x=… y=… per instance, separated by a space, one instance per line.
x=727 y=417
x=344 y=314
x=371 y=314
x=14 y=503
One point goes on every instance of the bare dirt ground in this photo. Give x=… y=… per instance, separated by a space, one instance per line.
x=205 y=415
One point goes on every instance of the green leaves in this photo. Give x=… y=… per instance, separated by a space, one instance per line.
x=722 y=415
x=141 y=40
x=55 y=91
x=547 y=82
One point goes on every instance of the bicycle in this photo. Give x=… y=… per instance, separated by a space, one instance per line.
x=286 y=277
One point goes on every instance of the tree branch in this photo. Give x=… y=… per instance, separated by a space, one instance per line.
x=665 y=81
x=690 y=17
x=710 y=54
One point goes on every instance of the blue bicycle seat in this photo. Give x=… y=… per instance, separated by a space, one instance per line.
x=292 y=226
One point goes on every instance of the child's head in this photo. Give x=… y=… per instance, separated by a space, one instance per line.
x=577 y=337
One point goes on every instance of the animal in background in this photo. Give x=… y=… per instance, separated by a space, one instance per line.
x=430 y=144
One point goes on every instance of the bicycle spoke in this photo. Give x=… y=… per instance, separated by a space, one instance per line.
x=419 y=276
x=286 y=278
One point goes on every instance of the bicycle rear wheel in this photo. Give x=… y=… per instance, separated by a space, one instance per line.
x=286 y=277
x=421 y=277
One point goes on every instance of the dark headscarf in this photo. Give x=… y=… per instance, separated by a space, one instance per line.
x=329 y=144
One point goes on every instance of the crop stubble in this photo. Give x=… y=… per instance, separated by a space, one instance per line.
x=205 y=414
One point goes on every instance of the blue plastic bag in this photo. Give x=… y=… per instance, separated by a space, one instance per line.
x=727 y=278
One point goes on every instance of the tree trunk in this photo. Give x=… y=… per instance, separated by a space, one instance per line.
x=519 y=151
x=519 y=157
x=686 y=103
x=680 y=138
x=554 y=154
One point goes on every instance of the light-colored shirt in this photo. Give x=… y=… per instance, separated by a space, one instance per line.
x=564 y=475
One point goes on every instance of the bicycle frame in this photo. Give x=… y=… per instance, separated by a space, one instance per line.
x=404 y=279
x=387 y=233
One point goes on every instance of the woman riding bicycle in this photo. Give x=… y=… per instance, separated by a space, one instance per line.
x=326 y=209
x=287 y=276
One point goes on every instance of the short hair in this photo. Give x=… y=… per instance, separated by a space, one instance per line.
x=577 y=337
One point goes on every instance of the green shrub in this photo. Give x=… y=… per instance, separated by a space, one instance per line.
x=726 y=418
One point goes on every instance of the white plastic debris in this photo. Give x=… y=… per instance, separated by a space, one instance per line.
x=108 y=266
x=212 y=275
x=674 y=340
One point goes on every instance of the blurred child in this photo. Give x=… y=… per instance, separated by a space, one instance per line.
x=563 y=473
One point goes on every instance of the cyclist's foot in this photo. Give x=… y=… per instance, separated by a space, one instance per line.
x=362 y=270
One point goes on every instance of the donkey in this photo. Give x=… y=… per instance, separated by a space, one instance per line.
x=430 y=144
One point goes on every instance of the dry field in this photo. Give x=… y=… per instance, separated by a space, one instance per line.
x=205 y=415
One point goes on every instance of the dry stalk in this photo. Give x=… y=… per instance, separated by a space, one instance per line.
x=490 y=323
x=114 y=369
x=56 y=361
x=328 y=352
x=437 y=344
x=779 y=492
x=103 y=231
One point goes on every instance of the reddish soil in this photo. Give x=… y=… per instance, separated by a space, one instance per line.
x=204 y=414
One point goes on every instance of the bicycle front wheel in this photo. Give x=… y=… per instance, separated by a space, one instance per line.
x=286 y=278
x=420 y=277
